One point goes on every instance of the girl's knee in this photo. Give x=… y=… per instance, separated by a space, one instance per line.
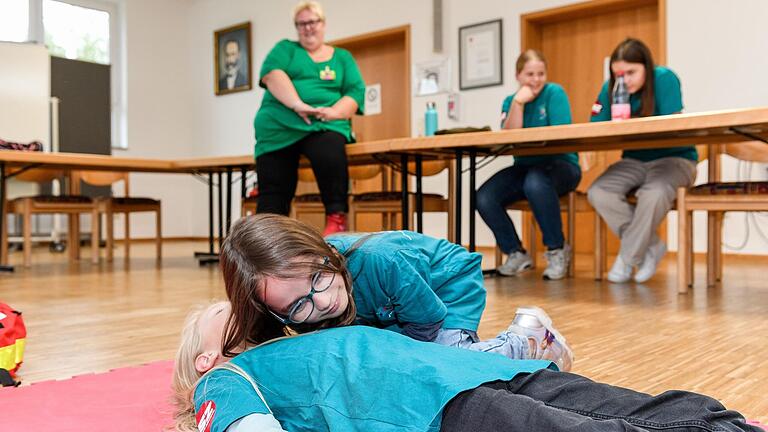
x=596 y=195
x=486 y=200
x=537 y=183
x=657 y=193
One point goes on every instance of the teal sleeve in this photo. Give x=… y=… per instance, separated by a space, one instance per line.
x=559 y=108
x=353 y=85
x=232 y=396
x=669 y=98
x=505 y=108
x=409 y=281
x=278 y=58
x=601 y=110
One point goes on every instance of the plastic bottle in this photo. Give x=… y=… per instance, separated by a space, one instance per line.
x=430 y=119
x=620 y=107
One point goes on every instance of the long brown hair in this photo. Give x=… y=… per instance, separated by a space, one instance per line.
x=269 y=245
x=635 y=51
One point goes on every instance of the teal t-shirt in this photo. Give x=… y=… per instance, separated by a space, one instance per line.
x=550 y=108
x=668 y=100
x=404 y=277
x=351 y=379
x=318 y=84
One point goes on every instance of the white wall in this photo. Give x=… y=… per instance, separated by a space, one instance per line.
x=160 y=119
x=717 y=52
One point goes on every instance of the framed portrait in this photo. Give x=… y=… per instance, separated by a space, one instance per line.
x=480 y=55
x=232 y=59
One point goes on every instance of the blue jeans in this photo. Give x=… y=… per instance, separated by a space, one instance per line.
x=505 y=343
x=541 y=185
x=559 y=401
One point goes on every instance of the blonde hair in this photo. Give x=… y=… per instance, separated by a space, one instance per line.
x=185 y=375
x=528 y=55
x=311 y=6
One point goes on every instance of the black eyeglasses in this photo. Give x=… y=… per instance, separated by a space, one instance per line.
x=301 y=310
x=307 y=24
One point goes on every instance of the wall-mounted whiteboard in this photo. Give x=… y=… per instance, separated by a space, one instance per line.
x=25 y=91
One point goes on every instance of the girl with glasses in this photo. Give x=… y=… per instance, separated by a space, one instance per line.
x=359 y=378
x=282 y=277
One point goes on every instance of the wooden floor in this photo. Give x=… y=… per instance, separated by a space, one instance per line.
x=88 y=318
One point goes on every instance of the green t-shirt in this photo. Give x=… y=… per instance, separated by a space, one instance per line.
x=319 y=84
x=350 y=379
x=668 y=100
x=550 y=108
x=401 y=277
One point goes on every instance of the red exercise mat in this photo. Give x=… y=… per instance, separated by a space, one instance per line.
x=127 y=399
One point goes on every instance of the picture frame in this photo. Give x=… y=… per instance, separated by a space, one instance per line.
x=232 y=59
x=481 y=62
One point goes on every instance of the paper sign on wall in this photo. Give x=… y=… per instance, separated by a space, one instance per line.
x=373 y=99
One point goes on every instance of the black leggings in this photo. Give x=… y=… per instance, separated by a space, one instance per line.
x=278 y=173
x=563 y=402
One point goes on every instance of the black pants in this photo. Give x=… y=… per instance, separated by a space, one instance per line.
x=560 y=401
x=278 y=173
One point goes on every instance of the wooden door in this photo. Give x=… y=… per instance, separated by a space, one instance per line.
x=576 y=40
x=384 y=58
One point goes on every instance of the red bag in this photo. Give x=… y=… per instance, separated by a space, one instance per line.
x=12 y=339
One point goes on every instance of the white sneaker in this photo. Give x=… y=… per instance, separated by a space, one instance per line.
x=620 y=272
x=557 y=262
x=545 y=342
x=517 y=262
x=651 y=260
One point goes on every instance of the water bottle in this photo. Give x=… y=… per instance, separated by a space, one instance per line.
x=620 y=107
x=430 y=119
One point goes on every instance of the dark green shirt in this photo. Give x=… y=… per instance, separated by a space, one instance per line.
x=668 y=100
x=550 y=108
x=319 y=84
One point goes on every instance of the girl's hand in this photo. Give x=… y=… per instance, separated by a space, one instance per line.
x=328 y=114
x=524 y=95
x=304 y=111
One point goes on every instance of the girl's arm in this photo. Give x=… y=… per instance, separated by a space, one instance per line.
x=419 y=311
x=256 y=422
x=514 y=118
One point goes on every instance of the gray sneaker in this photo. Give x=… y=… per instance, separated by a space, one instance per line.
x=558 y=261
x=545 y=342
x=517 y=262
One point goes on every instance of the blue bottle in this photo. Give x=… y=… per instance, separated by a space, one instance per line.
x=430 y=119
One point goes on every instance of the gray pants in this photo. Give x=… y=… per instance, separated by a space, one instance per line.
x=655 y=184
x=505 y=343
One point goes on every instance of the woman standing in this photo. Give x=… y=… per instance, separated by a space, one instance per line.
x=313 y=89
x=654 y=174
x=539 y=179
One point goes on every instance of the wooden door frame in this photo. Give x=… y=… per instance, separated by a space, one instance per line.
x=368 y=38
x=530 y=23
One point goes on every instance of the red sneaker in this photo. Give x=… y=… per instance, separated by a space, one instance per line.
x=336 y=222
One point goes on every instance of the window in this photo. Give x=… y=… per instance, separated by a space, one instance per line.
x=76 y=32
x=14 y=20
x=86 y=30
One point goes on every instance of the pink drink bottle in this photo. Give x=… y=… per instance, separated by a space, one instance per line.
x=620 y=108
